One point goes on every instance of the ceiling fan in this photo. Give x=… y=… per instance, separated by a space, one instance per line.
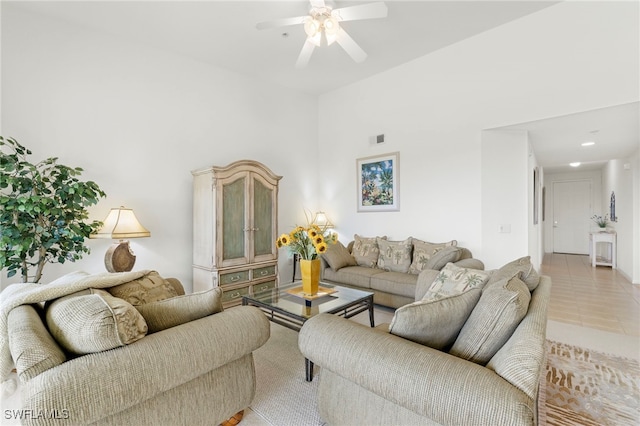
x=325 y=20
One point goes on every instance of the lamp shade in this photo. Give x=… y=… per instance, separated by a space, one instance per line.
x=121 y=223
x=322 y=220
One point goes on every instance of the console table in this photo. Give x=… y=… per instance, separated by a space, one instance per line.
x=610 y=238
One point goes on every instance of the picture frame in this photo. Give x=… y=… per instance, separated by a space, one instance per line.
x=378 y=183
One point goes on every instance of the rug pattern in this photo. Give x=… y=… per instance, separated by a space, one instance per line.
x=584 y=387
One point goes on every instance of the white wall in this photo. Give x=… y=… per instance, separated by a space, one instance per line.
x=507 y=193
x=617 y=178
x=138 y=120
x=432 y=110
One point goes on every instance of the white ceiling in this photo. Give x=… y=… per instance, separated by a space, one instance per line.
x=558 y=141
x=223 y=33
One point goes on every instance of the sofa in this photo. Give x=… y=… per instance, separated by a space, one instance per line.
x=193 y=364
x=374 y=377
x=390 y=269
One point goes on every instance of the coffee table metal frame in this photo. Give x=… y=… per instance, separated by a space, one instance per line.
x=356 y=302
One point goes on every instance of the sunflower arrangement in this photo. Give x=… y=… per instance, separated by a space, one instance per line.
x=307 y=242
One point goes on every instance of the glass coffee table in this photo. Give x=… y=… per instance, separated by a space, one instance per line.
x=286 y=305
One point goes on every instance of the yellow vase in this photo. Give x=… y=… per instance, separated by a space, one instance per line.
x=310 y=271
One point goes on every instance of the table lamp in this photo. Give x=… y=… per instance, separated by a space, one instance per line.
x=322 y=221
x=121 y=223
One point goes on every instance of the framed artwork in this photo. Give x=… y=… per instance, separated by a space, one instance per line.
x=378 y=183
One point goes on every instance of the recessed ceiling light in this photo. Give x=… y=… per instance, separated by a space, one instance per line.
x=576 y=164
x=590 y=143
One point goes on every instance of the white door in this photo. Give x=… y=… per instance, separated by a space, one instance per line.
x=571 y=216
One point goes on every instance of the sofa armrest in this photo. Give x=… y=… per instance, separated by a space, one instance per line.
x=434 y=384
x=148 y=367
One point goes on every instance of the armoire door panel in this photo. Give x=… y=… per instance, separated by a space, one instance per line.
x=263 y=241
x=233 y=220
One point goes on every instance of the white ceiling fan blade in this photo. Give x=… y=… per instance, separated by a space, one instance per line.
x=317 y=3
x=284 y=22
x=363 y=11
x=350 y=46
x=305 y=54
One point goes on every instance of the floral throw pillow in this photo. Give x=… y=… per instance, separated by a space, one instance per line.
x=423 y=251
x=394 y=256
x=453 y=280
x=365 y=250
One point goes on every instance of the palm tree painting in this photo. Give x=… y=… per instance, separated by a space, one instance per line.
x=378 y=183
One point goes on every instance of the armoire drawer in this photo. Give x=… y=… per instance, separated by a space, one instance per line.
x=267 y=271
x=234 y=294
x=268 y=285
x=234 y=277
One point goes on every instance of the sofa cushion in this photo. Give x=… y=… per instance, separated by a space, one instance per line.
x=395 y=283
x=497 y=314
x=178 y=310
x=337 y=256
x=422 y=252
x=394 y=256
x=357 y=276
x=93 y=321
x=149 y=288
x=521 y=267
x=434 y=323
x=365 y=250
x=453 y=280
x=444 y=256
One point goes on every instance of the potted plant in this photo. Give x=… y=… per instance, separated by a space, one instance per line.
x=601 y=221
x=44 y=212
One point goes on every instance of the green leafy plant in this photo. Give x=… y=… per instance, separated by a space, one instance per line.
x=43 y=212
x=601 y=221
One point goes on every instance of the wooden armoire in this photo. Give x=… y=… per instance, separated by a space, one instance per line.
x=235 y=225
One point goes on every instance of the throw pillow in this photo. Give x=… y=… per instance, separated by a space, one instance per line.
x=434 y=323
x=522 y=267
x=422 y=252
x=150 y=288
x=394 y=256
x=93 y=321
x=444 y=256
x=494 y=319
x=453 y=280
x=337 y=256
x=178 y=310
x=365 y=250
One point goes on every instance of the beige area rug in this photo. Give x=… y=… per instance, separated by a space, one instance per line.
x=578 y=387
x=283 y=396
x=585 y=387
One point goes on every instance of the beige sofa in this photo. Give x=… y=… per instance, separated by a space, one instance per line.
x=392 y=287
x=198 y=372
x=373 y=377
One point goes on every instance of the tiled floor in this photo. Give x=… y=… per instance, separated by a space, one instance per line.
x=591 y=307
x=599 y=298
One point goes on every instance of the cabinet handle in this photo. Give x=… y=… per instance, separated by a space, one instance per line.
x=263 y=273
x=264 y=287
x=234 y=295
x=234 y=278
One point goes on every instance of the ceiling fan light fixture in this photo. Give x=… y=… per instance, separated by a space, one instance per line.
x=331 y=26
x=311 y=26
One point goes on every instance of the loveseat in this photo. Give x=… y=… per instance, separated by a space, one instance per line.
x=372 y=377
x=390 y=269
x=192 y=365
